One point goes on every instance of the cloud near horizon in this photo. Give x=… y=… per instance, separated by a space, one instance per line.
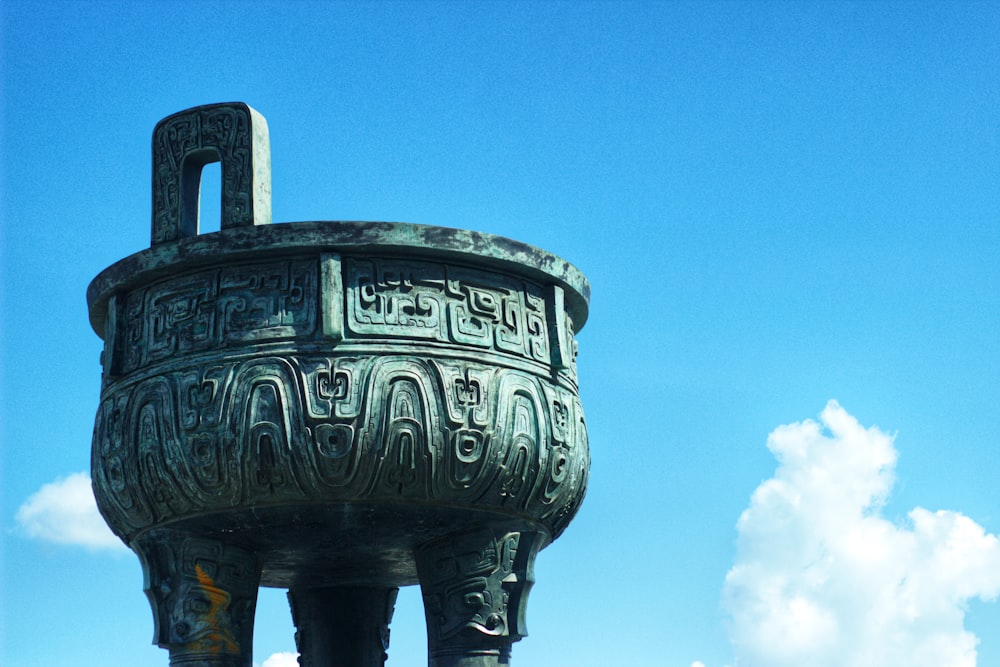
x=64 y=512
x=820 y=578
x=282 y=660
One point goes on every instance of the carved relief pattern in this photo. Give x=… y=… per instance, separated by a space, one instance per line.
x=270 y=430
x=232 y=133
x=349 y=622
x=211 y=309
x=203 y=594
x=230 y=130
x=435 y=302
x=172 y=141
x=210 y=409
x=475 y=589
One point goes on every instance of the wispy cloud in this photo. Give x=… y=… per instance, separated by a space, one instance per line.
x=822 y=579
x=64 y=512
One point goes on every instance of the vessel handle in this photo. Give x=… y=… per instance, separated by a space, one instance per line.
x=232 y=133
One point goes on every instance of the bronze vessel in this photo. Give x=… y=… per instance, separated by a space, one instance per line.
x=335 y=408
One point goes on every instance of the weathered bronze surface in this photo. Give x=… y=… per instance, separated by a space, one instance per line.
x=335 y=408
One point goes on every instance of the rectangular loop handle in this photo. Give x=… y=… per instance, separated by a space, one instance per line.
x=231 y=133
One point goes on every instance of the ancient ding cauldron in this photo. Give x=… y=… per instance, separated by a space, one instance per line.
x=334 y=408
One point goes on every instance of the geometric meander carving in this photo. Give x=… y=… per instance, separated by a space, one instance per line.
x=383 y=299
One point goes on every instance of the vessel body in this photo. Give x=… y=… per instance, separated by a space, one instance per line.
x=376 y=383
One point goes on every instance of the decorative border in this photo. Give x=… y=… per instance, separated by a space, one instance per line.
x=280 y=430
x=332 y=301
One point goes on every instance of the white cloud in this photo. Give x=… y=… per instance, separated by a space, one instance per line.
x=822 y=579
x=65 y=512
x=282 y=660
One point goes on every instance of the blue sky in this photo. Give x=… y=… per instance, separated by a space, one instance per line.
x=777 y=204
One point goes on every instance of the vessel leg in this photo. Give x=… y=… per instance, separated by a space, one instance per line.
x=475 y=589
x=343 y=626
x=203 y=594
